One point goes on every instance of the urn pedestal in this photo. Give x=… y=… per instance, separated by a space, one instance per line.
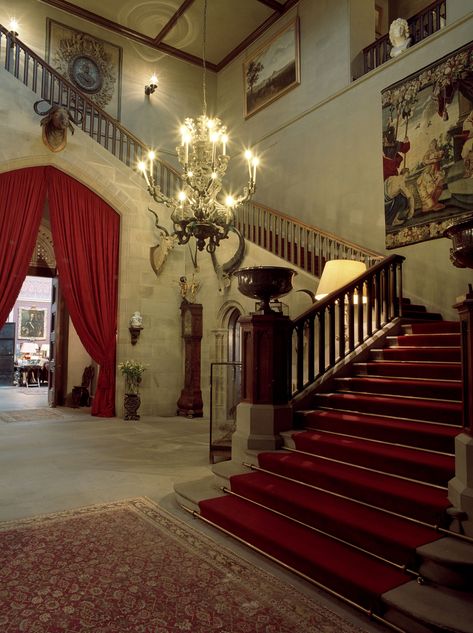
x=264 y=411
x=132 y=403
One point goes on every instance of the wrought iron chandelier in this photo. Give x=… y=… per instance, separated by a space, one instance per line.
x=200 y=209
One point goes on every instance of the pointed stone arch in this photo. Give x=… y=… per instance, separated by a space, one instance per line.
x=226 y=319
x=226 y=377
x=43 y=255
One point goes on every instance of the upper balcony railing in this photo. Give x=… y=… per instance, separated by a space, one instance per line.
x=48 y=84
x=421 y=25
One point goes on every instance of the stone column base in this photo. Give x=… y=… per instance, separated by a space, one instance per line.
x=257 y=429
x=460 y=488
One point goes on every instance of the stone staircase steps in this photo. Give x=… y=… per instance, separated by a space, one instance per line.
x=360 y=486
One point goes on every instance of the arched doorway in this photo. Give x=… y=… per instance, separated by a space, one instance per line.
x=225 y=381
x=234 y=339
x=85 y=232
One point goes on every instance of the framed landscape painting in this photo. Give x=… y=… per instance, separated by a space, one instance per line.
x=427 y=149
x=273 y=69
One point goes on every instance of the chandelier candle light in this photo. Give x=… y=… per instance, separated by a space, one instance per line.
x=198 y=210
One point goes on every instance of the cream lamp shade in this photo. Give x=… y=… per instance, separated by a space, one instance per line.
x=28 y=348
x=337 y=273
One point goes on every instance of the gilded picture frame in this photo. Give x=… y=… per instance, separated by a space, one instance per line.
x=32 y=324
x=272 y=70
x=93 y=65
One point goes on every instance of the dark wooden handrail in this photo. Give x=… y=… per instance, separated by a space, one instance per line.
x=421 y=25
x=305 y=246
x=335 y=326
x=48 y=84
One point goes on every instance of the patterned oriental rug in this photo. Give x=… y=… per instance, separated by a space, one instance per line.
x=130 y=566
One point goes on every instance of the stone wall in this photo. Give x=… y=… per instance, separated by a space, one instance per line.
x=139 y=288
x=321 y=144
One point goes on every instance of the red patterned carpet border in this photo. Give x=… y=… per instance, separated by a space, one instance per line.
x=130 y=566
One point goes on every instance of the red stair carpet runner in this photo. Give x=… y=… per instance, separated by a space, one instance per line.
x=364 y=483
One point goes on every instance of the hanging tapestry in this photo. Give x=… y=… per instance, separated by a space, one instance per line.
x=428 y=150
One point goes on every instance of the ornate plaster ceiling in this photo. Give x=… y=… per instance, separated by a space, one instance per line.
x=176 y=26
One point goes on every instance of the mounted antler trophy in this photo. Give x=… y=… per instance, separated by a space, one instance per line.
x=55 y=123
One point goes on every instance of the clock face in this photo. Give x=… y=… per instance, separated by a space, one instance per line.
x=86 y=74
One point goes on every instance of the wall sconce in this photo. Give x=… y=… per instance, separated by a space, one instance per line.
x=136 y=325
x=13 y=26
x=153 y=84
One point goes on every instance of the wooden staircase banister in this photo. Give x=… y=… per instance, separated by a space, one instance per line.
x=327 y=234
x=298 y=243
x=34 y=72
x=325 y=334
x=351 y=286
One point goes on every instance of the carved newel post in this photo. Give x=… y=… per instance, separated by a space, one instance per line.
x=460 y=488
x=263 y=412
x=190 y=403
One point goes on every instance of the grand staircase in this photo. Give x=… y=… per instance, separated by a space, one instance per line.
x=356 y=501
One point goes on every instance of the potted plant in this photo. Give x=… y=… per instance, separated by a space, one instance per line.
x=132 y=370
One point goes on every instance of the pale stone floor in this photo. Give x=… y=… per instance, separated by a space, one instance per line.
x=49 y=465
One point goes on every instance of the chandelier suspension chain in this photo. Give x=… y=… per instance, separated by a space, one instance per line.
x=204 y=64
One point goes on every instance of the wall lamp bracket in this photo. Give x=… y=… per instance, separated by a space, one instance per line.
x=135 y=334
x=153 y=84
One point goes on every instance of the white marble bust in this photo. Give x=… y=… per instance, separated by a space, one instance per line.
x=136 y=320
x=399 y=36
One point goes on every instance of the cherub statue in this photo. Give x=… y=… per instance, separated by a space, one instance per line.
x=188 y=288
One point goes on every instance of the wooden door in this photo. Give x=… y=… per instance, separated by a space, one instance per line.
x=7 y=352
x=57 y=374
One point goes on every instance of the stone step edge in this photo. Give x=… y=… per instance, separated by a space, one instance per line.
x=412 y=604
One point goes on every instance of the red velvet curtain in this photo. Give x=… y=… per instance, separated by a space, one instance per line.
x=85 y=233
x=22 y=196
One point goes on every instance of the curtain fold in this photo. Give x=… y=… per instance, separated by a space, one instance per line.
x=85 y=233
x=22 y=197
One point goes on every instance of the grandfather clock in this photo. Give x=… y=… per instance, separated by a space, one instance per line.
x=190 y=403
